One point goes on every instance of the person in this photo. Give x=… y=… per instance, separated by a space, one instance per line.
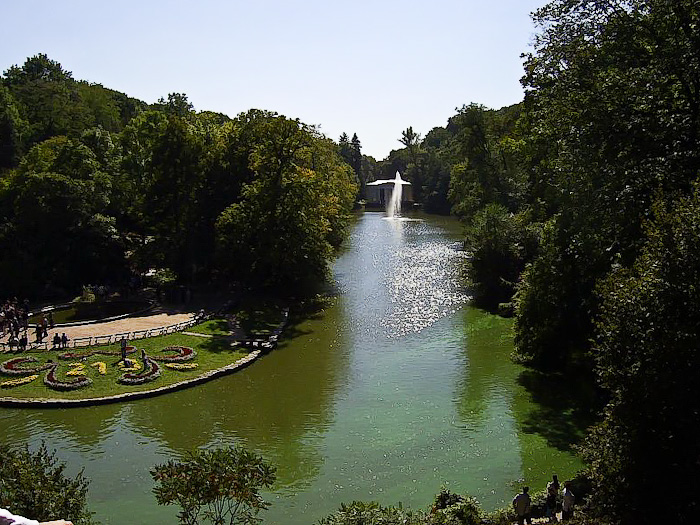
x=7 y=518
x=50 y=319
x=23 y=342
x=567 y=503
x=551 y=501
x=64 y=340
x=521 y=504
x=56 y=341
x=123 y=348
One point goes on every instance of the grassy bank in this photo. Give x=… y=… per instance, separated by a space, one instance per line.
x=212 y=353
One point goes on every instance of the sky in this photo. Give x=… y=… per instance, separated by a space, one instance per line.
x=368 y=67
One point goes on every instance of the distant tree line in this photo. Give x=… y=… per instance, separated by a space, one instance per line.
x=96 y=186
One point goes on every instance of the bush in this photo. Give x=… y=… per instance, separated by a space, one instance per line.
x=34 y=484
x=453 y=509
x=225 y=482
x=361 y=513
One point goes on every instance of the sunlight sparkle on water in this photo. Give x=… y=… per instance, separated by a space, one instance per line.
x=422 y=287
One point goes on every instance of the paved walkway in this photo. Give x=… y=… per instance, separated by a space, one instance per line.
x=155 y=319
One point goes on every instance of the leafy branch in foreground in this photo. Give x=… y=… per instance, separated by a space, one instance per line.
x=220 y=485
x=34 y=484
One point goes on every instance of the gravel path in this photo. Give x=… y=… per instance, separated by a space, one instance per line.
x=155 y=319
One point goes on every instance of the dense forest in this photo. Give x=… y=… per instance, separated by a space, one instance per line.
x=581 y=208
x=97 y=186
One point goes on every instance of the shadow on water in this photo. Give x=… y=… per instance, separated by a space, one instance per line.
x=563 y=408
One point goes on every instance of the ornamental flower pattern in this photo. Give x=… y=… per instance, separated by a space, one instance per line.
x=151 y=372
x=53 y=382
x=12 y=367
x=17 y=382
x=182 y=366
x=184 y=353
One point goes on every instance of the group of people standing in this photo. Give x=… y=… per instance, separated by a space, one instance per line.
x=14 y=316
x=522 y=502
x=14 y=321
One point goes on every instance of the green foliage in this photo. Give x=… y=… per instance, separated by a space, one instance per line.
x=12 y=130
x=448 y=509
x=57 y=235
x=221 y=485
x=361 y=513
x=646 y=356
x=34 y=485
x=610 y=119
x=292 y=212
x=453 y=509
x=500 y=244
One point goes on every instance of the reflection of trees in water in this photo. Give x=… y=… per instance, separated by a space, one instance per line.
x=489 y=371
x=549 y=413
x=85 y=427
x=562 y=409
x=270 y=407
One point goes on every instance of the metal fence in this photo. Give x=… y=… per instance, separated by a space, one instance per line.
x=100 y=340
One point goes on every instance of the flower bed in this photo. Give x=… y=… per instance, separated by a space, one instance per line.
x=12 y=367
x=52 y=381
x=101 y=367
x=182 y=366
x=151 y=371
x=184 y=353
x=17 y=382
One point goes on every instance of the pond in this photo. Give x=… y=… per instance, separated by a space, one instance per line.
x=396 y=389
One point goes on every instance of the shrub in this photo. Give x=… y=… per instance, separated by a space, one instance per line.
x=34 y=484
x=223 y=485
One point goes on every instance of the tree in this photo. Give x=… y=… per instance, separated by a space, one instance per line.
x=222 y=485
x=12 y=130
x=612 y=117
x=644 y=456
x=59 y=236
x=34 y=484
x=361 y=513
x=48 y=99
x=292 y=212
x=174 y=175
x=177 y=104
x=410 y=140
x=500 y=244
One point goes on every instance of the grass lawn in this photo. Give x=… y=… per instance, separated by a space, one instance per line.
x=211 y=327
x=212 y=353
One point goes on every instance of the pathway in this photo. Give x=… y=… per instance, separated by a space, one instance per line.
x=157 y=318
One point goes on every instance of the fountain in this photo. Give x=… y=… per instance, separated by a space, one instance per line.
x=393 y=208
x=376 y=191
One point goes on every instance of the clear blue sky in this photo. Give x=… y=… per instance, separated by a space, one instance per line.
x=366 y=67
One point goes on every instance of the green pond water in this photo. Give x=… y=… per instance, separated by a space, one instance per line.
x=395 y=390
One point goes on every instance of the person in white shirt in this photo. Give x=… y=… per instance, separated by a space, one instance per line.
x=7 y=518
x=567 y=504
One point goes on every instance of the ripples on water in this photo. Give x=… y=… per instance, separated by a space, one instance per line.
x=420 y=277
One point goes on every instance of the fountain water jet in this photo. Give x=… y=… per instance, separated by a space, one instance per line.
x=393 y=208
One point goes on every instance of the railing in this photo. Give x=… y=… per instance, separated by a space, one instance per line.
x=115 y=338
